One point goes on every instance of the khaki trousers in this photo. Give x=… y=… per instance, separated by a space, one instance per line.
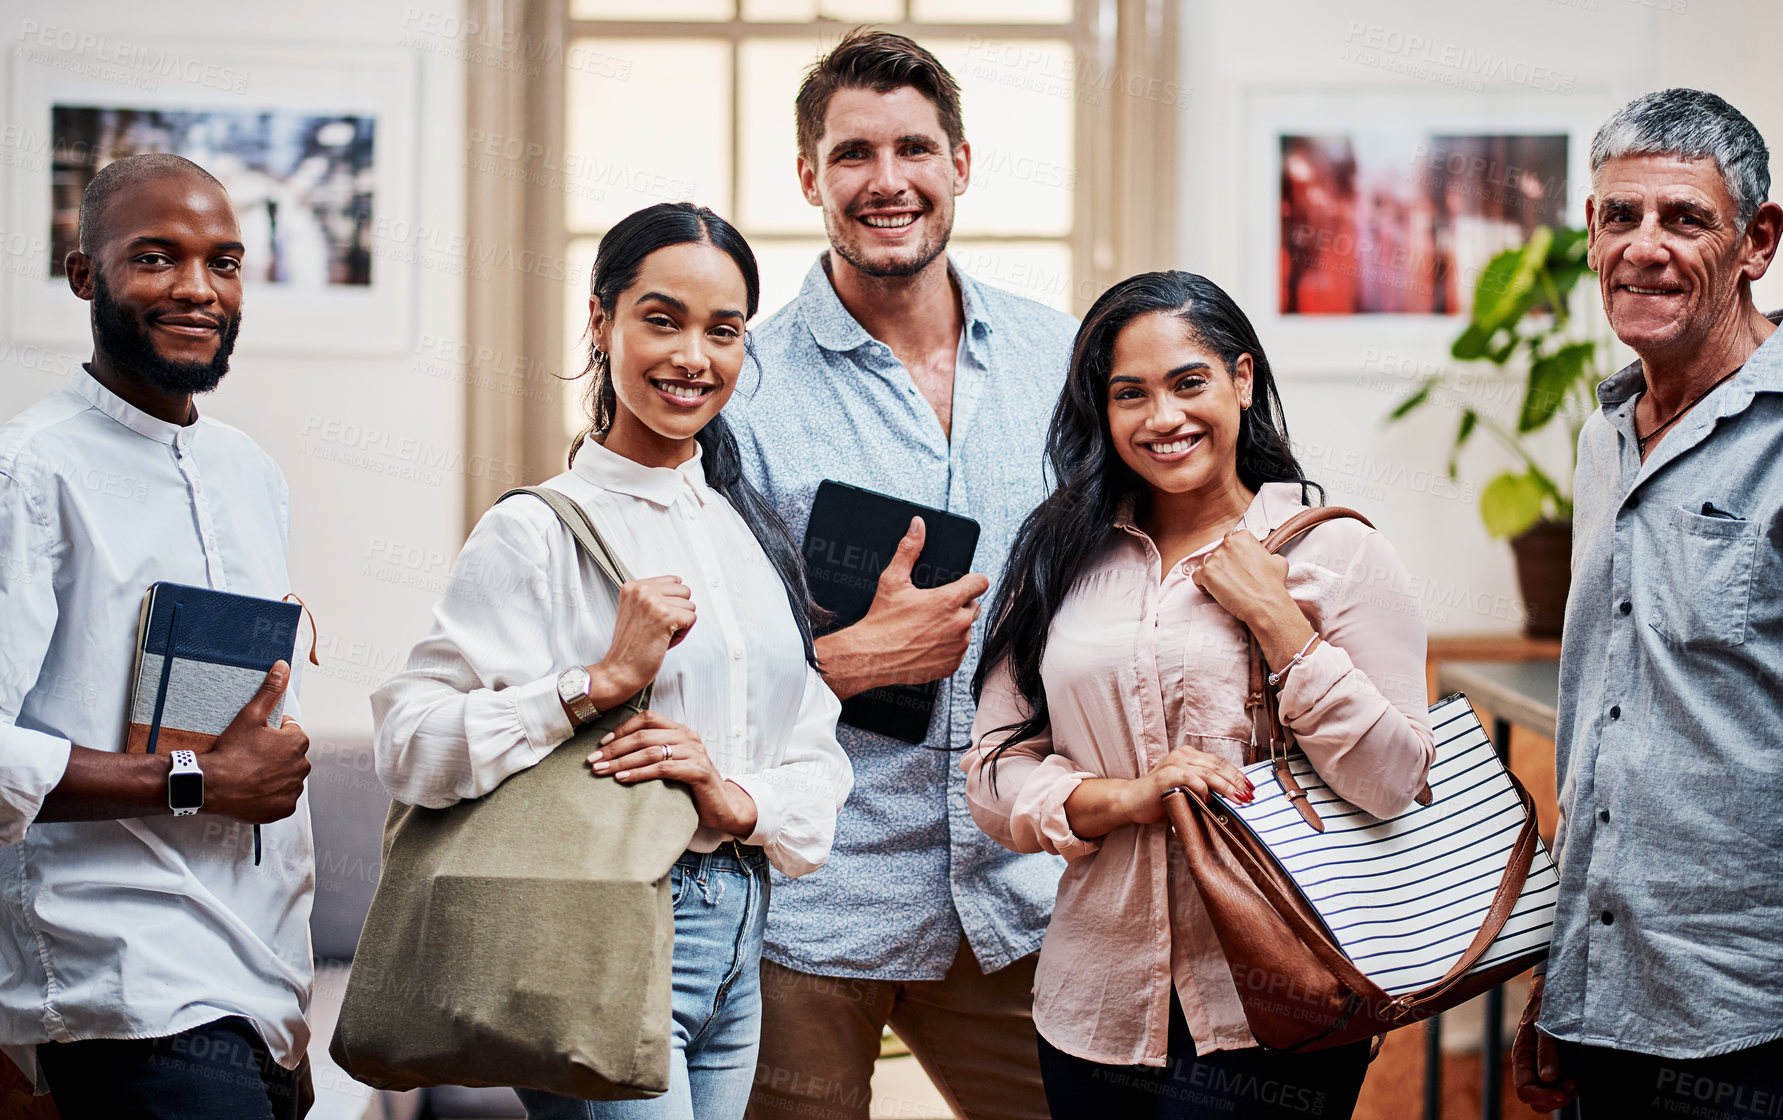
x=973 y=1034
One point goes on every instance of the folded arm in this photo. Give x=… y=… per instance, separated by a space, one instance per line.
x=478 y=700
x=1356 y=703
x=1019 y=801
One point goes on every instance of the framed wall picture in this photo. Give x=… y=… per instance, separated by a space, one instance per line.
x=1373 y=215
x=316 y=148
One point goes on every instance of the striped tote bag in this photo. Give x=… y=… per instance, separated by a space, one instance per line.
x=1339 y=925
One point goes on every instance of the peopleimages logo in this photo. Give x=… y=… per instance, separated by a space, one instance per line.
x=1374 y=45
x=136 y=64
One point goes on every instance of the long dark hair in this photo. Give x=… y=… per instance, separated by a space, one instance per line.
x=1070 y=530
x=616 y=266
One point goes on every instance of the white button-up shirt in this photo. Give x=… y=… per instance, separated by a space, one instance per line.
x=478 y=700
x=146 y=927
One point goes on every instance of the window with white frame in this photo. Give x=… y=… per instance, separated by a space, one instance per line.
x=675 y=100
x=596 y=108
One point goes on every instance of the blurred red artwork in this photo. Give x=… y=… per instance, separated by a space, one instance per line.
x=1402 y=222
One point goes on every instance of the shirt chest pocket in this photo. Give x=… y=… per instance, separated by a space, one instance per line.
x=1701 y=590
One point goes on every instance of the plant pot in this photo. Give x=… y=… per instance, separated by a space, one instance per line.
x=1544 y=574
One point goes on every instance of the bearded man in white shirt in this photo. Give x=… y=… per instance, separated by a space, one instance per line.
x=150 y=964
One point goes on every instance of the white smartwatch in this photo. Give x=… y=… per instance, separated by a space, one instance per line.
x=575 y=688
x=185 y=785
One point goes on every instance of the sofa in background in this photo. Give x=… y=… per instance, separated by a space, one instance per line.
x=347 y=809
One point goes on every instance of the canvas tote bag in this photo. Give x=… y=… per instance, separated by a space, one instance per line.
x=525 y=937
x=1339 y=925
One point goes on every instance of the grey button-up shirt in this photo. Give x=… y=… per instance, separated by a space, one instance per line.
x=1669 y=935
x=910 y=870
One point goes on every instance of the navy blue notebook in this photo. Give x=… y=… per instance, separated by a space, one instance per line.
x=201 y=655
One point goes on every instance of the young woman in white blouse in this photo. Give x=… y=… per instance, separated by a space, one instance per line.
x=530 y=634
x=1116 y=666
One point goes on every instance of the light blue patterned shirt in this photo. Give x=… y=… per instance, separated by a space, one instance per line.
x=1669 y=935
x=909 y=871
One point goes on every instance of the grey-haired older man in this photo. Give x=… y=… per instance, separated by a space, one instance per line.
x=1664 y=992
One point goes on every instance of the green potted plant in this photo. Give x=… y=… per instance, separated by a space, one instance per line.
x=1522 y=326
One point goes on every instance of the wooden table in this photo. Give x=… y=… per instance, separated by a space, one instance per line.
x=1521 y=692
x=1526 y=694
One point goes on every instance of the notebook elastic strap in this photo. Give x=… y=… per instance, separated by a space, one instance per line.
x=167 y=655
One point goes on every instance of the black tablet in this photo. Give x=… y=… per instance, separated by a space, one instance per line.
x=849 y=540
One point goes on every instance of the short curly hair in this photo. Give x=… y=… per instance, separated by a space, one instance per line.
x=880 y=61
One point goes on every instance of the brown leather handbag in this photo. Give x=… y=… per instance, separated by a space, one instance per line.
x=1338 y=925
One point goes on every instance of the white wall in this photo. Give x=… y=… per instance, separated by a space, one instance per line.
x=1598 y=53
x=369 y=547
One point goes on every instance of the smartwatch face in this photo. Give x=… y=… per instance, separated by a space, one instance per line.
x=185 y=791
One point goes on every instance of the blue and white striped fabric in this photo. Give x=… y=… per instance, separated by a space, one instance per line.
x=1404 y=897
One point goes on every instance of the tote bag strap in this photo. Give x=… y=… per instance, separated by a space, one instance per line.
x=1268 y=734
x=589 y=539
x=577 y=521
x=1293 y=527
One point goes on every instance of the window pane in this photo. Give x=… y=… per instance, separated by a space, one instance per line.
x=650 y=123
x=853 y=11
x=1018 y=101
x=990 y=11
x=771 y=70
x=783 y=268
x=654 y=9
x=1040 y=270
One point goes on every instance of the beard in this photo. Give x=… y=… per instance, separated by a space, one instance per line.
x=886 y=268
x=128 y=343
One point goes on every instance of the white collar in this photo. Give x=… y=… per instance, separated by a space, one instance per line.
x=659 y=486
x=129 y=415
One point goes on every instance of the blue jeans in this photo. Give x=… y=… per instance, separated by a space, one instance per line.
x=721 y=907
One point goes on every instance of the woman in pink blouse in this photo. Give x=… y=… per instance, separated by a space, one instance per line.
x=1115 y=668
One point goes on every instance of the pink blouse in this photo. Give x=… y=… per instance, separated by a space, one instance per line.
x=1136 y=666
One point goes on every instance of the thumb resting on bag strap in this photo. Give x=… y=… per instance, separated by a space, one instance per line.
x=1267 y=730
x=1267 y=720
x=589 y=539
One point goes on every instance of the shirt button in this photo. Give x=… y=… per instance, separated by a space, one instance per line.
x=1616 y=711
x=1608 y=919
x=714 y=581
x=736 y=730
x=736 y=653
x=1603 y=815
x=1624 y=608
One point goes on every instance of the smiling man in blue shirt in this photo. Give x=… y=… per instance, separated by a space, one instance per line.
x=1664 y=991
x=896 y=372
